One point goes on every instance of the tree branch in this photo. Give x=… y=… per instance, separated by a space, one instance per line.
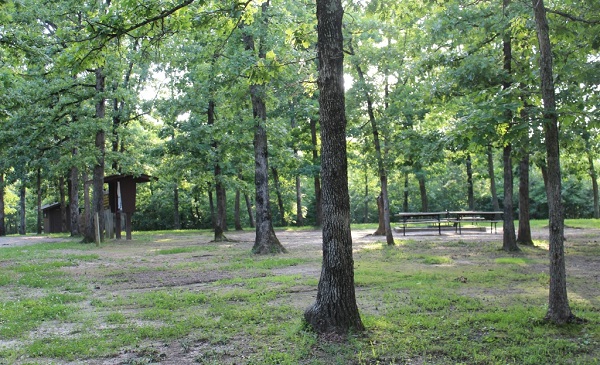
x=573 y=17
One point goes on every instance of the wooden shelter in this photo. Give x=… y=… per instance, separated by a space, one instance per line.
x=121 y=197
x=53 y=218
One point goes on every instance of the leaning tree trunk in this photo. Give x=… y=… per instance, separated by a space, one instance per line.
x=524 y=233
x=251 y=220
x=335 y=309
x=237 y=221
x=2 y=224
x=266 y=241
x=559 y=310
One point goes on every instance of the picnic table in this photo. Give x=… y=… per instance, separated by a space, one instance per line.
x=457 y=219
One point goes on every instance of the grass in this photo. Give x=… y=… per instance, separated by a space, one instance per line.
x=420 y=301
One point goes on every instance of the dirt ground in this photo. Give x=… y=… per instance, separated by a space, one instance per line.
x=298 y=243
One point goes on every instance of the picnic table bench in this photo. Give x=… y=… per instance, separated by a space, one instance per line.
x=457 y=219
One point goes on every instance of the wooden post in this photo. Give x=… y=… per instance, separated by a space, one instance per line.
x=118 y=224
x=128 y=226
x=97 y=229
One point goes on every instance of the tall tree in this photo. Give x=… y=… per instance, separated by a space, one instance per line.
x=266 y=241
x=559 y=311
x=335 y=309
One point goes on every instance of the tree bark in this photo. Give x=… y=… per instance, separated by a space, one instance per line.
x=86 y=226
x=266 y=241
x=405 y=195
x=317 y=178
x=491 y=172
x=470 y=193
x=381 y=227
x=299 y=217
x=2 y=217
x=509 y=241
x=335 y=309
x=524 y=232
x=559 y=311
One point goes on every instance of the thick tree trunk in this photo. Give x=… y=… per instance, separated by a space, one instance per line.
x=266 y=241
x=509 y=241
x=236 y=211
x=280 y=205
x=493 y=190
x=524 y=233
x=2 y=223
x=335 y=309
x=38 y=186
x=558 y=304
x=317 y=179
x=176 y=216
x=22 y=207
x=470 y=193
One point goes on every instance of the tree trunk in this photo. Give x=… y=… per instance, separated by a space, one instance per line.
x=221 y=218
x=86 y=226
x=382 y=172
x=405 y=200
x=423 y=191
x=594 y=177
x=335 y=309
x=2 y=223
x=74 y=198
x=63 y=204
x=251 y=220
x=524 y=233
x=176 y=217
x=470 y=193
x=236 y=211
x=299 y=217
x=559 y=311
x=266 y=241
x=317 y=179
x=366 y=203
x=211 y=204
x=38 y=186
x=98 y=174
x=509 y=241
x=381 y=228
x=22 y=207
x=280 y=205
x=491 y=172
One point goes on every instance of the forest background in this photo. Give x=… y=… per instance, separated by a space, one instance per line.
x=427 y=95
